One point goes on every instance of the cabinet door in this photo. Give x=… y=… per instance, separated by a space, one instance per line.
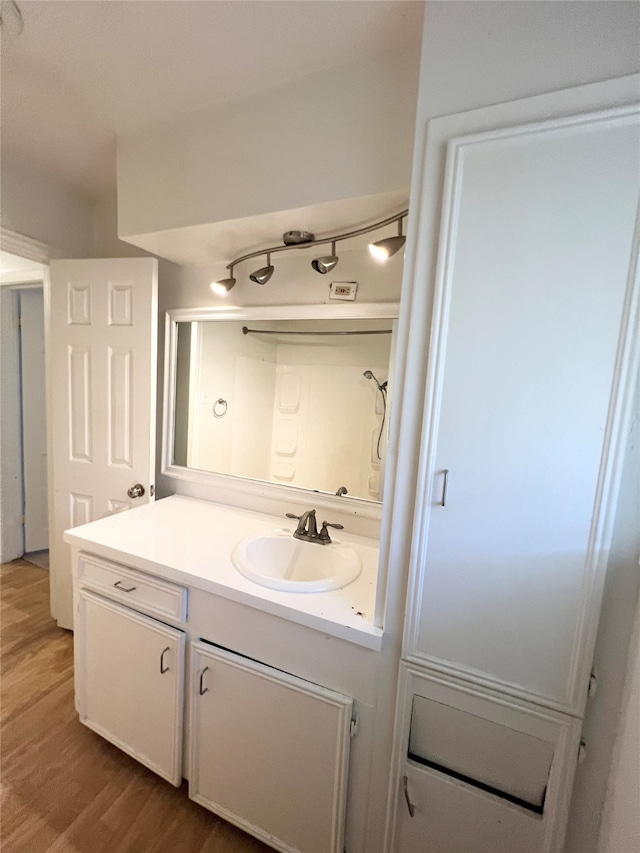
x=534 y=258
x=129 y=682
x=450 y=817
x=269 y=752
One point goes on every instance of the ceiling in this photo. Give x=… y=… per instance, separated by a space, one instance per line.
x=78 y=73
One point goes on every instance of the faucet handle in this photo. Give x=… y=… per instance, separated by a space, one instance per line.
x=323 y=536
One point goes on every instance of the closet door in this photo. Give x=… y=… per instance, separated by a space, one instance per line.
x=533 y=264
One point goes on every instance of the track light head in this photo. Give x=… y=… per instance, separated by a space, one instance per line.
x=224 y=285
x=263 y=275
x=383 y=249
x=327 y=263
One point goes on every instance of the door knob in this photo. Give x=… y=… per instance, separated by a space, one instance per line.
x=136 y=491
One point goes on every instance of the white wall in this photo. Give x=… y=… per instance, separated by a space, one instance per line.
x=620 y=830
x=107 y=244
x=477 y=54
x=609 y=664
x=342 y=134
x=38 y=204
x=473 y=55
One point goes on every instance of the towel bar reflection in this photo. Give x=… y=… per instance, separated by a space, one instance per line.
x=219 y=408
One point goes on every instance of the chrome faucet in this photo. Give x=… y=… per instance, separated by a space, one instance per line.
x=307 y=529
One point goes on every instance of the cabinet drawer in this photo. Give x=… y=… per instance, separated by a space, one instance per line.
x=144 y=592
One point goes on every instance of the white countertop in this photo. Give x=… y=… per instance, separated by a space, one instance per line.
x=190 y=541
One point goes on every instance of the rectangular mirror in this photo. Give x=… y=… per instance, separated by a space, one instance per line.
x=296 y=401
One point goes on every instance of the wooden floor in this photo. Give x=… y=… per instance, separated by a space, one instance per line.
x=64 y=788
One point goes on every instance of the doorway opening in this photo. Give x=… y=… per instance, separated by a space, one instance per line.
x=23 y=425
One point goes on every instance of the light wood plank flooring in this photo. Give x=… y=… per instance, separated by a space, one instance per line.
x=64 y=788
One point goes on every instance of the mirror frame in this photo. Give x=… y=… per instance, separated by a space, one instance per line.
x=237 y=485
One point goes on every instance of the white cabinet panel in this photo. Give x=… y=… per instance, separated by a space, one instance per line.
x=534 y=257
x=485 y=773
x=451 y=817
x=269 y=752
x=129 y=682
x=514 y=763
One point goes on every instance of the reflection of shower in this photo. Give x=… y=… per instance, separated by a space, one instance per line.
x=383 y=393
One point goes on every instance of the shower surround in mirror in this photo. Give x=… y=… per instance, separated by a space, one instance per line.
x=287 y=403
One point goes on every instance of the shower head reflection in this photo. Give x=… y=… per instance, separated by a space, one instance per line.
x=369 y=375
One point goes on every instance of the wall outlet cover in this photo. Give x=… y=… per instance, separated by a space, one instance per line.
x=343 y=290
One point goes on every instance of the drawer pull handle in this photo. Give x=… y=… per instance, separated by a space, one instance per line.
x=124 y=588
x=445 y=483
x=164 y=668
x=410 y=805
x=202 y=689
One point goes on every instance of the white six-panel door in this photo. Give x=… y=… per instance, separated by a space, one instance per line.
x=102 y=380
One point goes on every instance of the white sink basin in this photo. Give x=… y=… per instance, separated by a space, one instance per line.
x=279 y=561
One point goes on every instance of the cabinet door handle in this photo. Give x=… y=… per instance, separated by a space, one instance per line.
x=202 y=689
x=164 y=668
x=124 y=588
x=445 y=483
x=410 y=805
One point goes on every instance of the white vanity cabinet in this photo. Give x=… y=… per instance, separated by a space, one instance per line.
x=266 y=745
x=252 y=722
x=129 y=682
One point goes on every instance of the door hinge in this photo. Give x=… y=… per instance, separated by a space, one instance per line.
x=355 y=724
x=593 y=684
x=152 y=490
x=23 y=520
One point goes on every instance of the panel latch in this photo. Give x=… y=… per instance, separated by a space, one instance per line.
x=355 y=724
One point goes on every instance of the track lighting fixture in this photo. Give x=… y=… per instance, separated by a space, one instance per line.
x=300 y=240
x=383 y=249
x=263 y=275
x=327 y=263
x=222 y=287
